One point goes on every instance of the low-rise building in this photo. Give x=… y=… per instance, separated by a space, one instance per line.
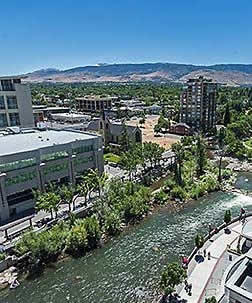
x=94 y=103
x=15 y=103
x=180 y=129
x=32 y=158
x=238 y=280
x=113 y=130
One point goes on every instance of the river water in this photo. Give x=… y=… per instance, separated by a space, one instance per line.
x=127 y=269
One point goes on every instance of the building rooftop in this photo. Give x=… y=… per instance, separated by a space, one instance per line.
x=36 y=139
x=12 y=77
x=247 y=230
x=72 y=115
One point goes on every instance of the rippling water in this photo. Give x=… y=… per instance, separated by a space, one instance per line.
x=128 y=268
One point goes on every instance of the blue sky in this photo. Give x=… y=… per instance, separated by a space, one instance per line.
x=67 y=33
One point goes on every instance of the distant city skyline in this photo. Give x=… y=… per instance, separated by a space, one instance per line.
x=58 y=34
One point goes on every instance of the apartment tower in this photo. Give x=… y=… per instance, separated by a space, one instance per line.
x=198 y=104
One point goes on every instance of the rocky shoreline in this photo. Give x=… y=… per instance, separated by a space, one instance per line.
x=238 y=166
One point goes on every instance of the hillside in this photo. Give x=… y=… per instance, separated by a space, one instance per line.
x=232 y=74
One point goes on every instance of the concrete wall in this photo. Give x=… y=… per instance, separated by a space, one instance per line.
x=24 y=101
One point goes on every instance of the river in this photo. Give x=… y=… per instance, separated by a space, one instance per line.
x=127 y=269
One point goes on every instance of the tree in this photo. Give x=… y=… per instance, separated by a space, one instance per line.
x=101 y=182
x=179 y=151
x=48 y=201
x=172 y=276
x=142 y=121
x=221 y=142
x=211 y=300
x=201 y=158
x=91 y=181
x=129 y=162
x=124 y=138
x=227 y=216
x=68 y=195
x=199 y=241
x=157 y=129
x=83 y=190
x=227 y=116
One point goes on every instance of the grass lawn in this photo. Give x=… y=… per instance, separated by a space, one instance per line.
x=112 y=158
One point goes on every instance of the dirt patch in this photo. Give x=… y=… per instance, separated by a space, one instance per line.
x=148 y=132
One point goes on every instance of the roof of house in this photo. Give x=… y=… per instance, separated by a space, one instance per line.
x=116 y=128
x=181 y=124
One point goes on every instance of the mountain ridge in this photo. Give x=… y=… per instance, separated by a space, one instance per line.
x=232 y=74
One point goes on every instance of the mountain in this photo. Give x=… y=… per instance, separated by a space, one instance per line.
x=231 y=74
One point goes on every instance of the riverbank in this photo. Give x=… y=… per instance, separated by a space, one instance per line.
x=155 y=208
x=135 y=205
x=127 y=268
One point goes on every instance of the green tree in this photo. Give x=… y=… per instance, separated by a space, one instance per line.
x=48 y=202
x=157 y=129
x=227 y=116
x=129 y=162
x=227 y=216
x=179 y=151
x=124 y=138
x=201 y=158
x=211 y=300
x=68 y=195
x=221 y=143
x=172 y=276
x=199 y=241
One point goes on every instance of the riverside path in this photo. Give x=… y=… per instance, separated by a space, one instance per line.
x=202 y=275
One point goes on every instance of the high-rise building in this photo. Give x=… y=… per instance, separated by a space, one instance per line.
x=15 y=103
x=198 y=104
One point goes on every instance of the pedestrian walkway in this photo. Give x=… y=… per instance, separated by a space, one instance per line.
x=202 y=273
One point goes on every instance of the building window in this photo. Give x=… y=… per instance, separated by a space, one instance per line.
x=14 y=119
x=2 y=104
x=20 y=197
x=3 y=120
x=7 y=85
x=18 y=81
x=12 y=102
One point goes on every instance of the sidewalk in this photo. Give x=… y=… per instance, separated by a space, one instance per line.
x=201 y=274
x=38 y=216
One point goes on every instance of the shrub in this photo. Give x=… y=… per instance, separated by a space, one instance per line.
x=178 y=192
x=227 y=216
x=77 y=239
x=161 y=197
x=211 y=300
x=112 y=222
x=2 y=256
x=199 y=241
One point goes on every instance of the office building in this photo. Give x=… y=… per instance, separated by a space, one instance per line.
x=198 y=104
x=94 y=103
x=32 y=158
x=15 y=103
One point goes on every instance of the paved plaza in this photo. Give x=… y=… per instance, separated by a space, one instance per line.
x=206 y=276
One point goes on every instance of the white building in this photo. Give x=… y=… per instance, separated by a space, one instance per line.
x=238 y=276
x=32 y=158
x=15 y=103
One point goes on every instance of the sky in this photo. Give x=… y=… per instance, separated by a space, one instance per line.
x=68 y=33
